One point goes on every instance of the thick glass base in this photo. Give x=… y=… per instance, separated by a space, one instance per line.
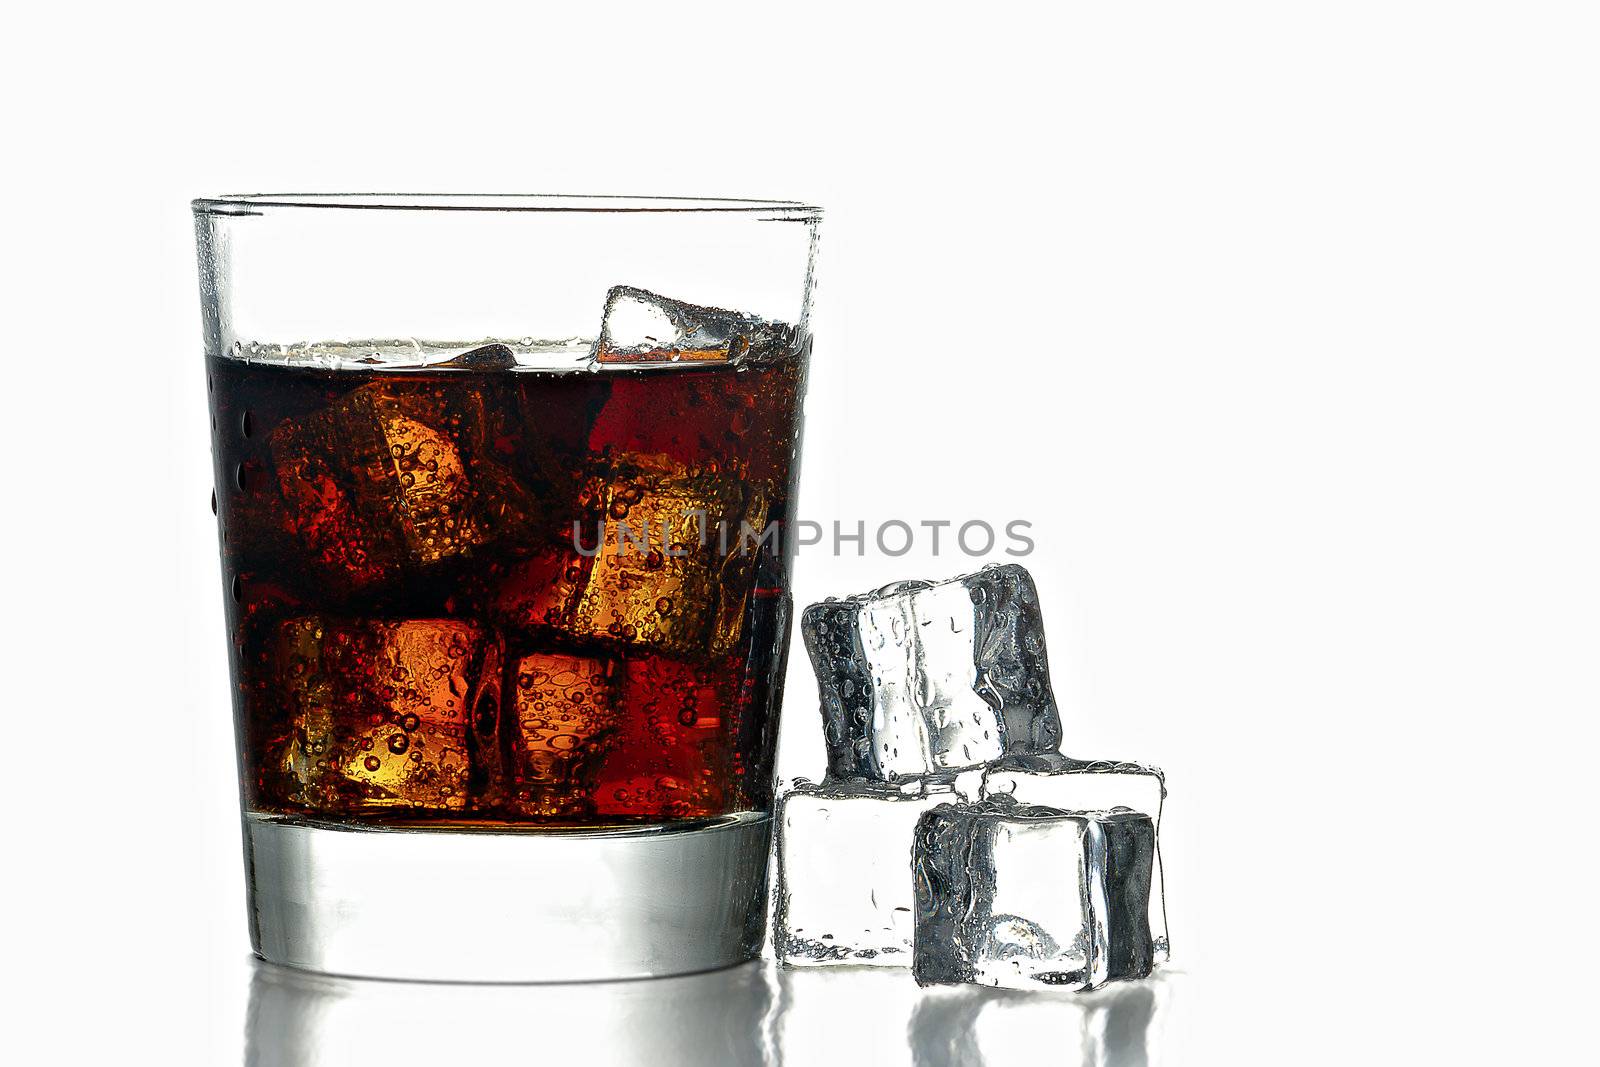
x=507 y=906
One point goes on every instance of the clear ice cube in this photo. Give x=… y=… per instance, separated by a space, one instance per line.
x=844 y=873
x=920 y=678
x=643 y=327
x=1092 y=785
x=1025 y=897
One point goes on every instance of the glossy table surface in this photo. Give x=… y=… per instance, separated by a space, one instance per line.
x=756 y=1014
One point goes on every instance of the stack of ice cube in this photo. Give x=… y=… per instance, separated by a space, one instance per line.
x=950 y=832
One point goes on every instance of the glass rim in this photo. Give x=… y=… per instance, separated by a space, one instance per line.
x=570 y=203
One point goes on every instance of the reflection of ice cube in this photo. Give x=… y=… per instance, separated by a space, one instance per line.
x=565 y=712
x=384 y=713
x=754 y=730
x=1028 y=897
x=844 y=873
x=1119 y=1026
x=921 y=678
x=1092 y=785
x=825 y=1017
x=642 y=327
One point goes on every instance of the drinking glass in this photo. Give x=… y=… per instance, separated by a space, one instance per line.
x=502 y=486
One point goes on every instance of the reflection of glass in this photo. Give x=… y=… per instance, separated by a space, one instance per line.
x=299 y=1019
x=502 y=489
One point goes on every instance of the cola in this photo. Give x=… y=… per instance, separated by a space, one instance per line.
x=474 y=591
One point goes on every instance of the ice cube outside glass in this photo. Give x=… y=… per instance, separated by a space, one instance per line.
x=844 y=872
x=844 y=886
x=921 y=678
x=1069 y=784
x=463 y=445
x=1029 y=897
x=924 y=684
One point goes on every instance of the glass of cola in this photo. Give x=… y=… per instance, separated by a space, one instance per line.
x=503 y=485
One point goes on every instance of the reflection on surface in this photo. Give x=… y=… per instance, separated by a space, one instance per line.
x=298 y=1019
x=972 y=1026
x=752 y=1015
x=838 y=1016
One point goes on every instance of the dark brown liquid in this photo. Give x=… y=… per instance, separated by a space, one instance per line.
x=417 y=636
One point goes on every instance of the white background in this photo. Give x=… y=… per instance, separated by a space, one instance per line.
x=1278 y=320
